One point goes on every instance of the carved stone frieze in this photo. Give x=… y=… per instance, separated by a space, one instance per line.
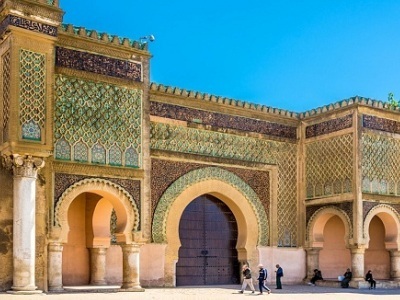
x=376 y=123
x=329 y=126
x=27 y=24
x=99 y=64
x=220 y=120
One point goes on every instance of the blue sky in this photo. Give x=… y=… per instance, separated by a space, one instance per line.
x=294 y=55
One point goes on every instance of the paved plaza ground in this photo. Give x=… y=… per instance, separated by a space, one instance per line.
x=292 y=292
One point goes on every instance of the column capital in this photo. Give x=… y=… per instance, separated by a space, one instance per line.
x=394 y=252
x=23 y=165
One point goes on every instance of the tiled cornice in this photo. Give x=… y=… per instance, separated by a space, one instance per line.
x=178 y=92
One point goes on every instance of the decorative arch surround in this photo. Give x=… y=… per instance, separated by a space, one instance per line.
x=317 y=222
x=390 y=219
x=159 y=230
x=122 y=201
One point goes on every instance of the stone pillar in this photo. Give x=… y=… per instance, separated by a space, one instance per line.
x=98 y=266
x=24 y=223
x=312 y=261
x=54 y=268
x=395 y=265
x=357 y=264
x=130 y=265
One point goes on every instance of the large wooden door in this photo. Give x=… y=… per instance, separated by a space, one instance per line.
x=208 y=234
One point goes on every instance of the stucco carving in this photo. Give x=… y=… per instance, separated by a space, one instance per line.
x=96 y=184
x=162 y=210
x=314 y=233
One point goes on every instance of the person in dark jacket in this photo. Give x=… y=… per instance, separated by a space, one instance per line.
x=247 y=280
x=317 y=276
x=279 y=275
x=262 y=278
x=347 y=277
x=370 y=279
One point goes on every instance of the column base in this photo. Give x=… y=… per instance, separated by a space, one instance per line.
x=25 y=292
x=132 y=289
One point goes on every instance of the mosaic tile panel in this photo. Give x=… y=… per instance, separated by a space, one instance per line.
x=329 y=126
x=6 y=72
x=98 y=64
x=329 y=166
x=30 y=25
x=381 y=124
x=287 y=205
x=32 y=98
x=63 y=181
x=97 y=122
x=380 y=164
x=195 y=141
x=221 y=120
x=198 y=175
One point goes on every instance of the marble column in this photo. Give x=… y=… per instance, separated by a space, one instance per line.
x=25 y=169
x=312 y=261
x=395 y=265
x=98 y=266
x=54 y=270
x=357 y=263
x=130 y=280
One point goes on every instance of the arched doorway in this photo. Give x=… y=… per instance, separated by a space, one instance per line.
x=90 y=256
x=377 y=257
x=334 y=257
x=82 y=232
x=208 y=234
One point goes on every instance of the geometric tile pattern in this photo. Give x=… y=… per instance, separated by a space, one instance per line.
x=380 y=164
x=181 y=139
x=6 y=63
x=287 y=205
x=211 y=143
x=32 y=97
x=97 y=122
x=329 y=166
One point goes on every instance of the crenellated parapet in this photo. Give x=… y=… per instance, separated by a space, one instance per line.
x=194 y=95
x=102 y=37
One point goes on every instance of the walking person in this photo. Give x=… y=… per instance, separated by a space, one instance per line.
x=262 y=278
x=279 y=275
x=247 y=280
x=370 y=279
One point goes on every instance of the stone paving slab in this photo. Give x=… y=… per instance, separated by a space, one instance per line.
x=292 y=292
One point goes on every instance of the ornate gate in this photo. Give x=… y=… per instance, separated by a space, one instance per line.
x=208 y=234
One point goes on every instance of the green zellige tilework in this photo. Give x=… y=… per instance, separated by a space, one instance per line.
x=97 y=122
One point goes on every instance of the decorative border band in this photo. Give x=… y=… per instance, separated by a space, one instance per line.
x=28 y=25
x=98 y=64
x=372 y=122
x=329 y=126
x=221 y=120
